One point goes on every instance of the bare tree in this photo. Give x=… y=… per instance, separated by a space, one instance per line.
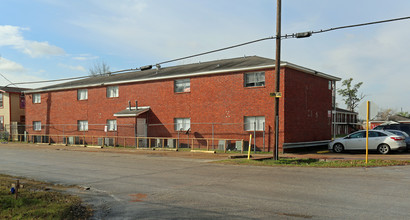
x=385 y=114
x=350 y=94
x=99 y=68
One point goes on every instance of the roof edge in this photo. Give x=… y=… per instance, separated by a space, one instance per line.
x=284 y=64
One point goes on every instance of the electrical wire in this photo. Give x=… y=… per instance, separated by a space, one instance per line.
x=11 y=83
x=294 y=35
x=217 y=50
x=65 y=79
x=359 y=25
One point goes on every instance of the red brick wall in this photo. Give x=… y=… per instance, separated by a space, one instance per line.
x=307 y=102
x=213 y=99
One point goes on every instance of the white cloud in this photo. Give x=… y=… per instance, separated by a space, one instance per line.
x=9 y=66
x=379 y=60
x=12 y=36
x=84 y=57
x=78 y=68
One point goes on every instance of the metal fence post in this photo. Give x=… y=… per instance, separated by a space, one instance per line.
x=264 y=136
x=212 y=144
x=254 y=136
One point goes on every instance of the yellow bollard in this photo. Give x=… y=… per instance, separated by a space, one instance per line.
x=249 y=149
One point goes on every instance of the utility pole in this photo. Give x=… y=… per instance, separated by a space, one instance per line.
x=277 y=73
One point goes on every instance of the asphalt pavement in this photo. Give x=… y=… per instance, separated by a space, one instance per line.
x=127 y=185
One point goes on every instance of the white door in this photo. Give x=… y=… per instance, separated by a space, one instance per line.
x=142 y=131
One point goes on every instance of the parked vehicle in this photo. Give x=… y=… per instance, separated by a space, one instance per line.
x=382 y=141
x=394 y=126
x=404 y=134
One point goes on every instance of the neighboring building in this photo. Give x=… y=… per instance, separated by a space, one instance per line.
x=392 y=119
x=345 y=121
x=12 y=108
x=220 y=99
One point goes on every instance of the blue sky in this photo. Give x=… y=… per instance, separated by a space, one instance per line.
x=52 y=39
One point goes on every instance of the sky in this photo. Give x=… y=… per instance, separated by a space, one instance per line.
x=54 y=39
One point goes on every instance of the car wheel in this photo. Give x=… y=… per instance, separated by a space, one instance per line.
x=338 y=148
x=383 y=149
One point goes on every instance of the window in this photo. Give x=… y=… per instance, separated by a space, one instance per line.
x=82 y=94
x=1 y=123
x=1 y=100
x=37 y=125
x=37 y=98
x=182 y=124
x=254 y=79
x=360 y=134
x=112 y=91
x=82 y=125
x=22 y=101
x=112 y=125
x=256 y=123
x=22 y=119
x=182 y=85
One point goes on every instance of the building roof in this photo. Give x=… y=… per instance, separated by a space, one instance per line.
x=12 y=89
x=345 y=111
x=188 y=70
x=133 y=112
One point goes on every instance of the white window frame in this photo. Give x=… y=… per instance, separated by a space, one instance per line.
x=182 y=124
x=82 y=94
x=111 y=125
x=1 y=100
x=36 y=98
x=254 y=79
x=82 y=125
x=182 y=85
x=36 y=125
x=249 y=123
x=112 y=92
x=1 y=123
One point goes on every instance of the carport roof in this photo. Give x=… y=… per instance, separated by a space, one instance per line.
x=188 y=70
x=133 y=112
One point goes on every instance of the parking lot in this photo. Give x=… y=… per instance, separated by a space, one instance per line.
x=130 y=184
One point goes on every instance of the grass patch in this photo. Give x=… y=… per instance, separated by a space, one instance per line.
x=292 y=162
x=38 y=200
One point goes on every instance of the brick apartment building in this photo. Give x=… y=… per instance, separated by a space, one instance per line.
x=345 y=121
x=12 y=109
x=219 y=99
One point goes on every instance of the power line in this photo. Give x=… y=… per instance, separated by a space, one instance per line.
x=287 y=36
x=217 y=50
x=309 y=33
x=11 y=83
x=65 y=79
x=295 y=35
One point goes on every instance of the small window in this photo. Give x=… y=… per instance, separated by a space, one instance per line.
x=82 y=125
x=22 y=101
x=112 y=125
x=255 y=79
x=182 y=124
x=82 y=94
x=1 y=100
x=37 y=125
x=182 y=85
x=22 y=119
x=37 y=98
x=256 y=123
x=1 y=123
x=112 y=91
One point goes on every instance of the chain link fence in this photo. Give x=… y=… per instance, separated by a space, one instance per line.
x=200 y=136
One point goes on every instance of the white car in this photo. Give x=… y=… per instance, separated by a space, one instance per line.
x=382 y=141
